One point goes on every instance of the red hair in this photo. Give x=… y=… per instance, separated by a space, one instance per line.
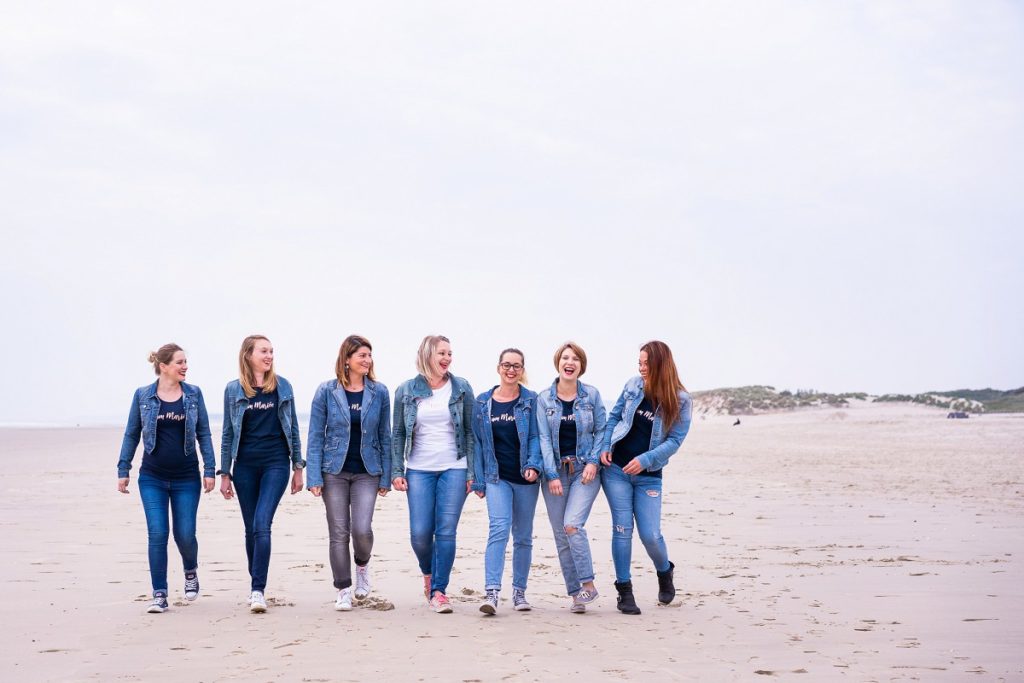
x=662 y=385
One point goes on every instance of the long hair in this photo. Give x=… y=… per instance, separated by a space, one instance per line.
x=662 y=385
x=165 y=354
x=352 y=343
x=575 y=348
x=425 y=364
x=246 y=377
x=522 y=375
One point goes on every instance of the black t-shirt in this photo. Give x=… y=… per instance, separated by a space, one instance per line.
x=263 y=441
x=506 y=441
x=353 y=458
x=638 y=440
x=567 y=429
x=168 y=460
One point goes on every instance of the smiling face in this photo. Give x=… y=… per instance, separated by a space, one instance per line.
x=569 y=365
x=442 y=358
x=261 y=360
x=644 y=369
x=510 y=368
x=360 y=362
x=176 y=369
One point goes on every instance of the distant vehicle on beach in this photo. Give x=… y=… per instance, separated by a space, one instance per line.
x=957 y=415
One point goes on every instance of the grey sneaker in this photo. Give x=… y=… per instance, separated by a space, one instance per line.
x=362 y=581
x=585 y=597
x=191 y=585
x=159 y=604
x=490 y=603
x=577 y=608
x=519 y=602
x=257 y=603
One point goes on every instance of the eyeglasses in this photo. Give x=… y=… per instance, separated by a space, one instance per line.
x=511 y=366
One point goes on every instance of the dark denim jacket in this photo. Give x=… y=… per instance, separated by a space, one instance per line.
x=142 y=423
x=235 y=405
x=590 y=420
x=404 y=422
x=330 y=424
x=485 y=461
x=663 y=446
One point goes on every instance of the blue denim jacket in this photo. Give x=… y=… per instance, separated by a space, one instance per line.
x=404 y=422
x=590 y=420
x=485 y=461
x=142 y=422
x=235 y=405
x=330 y=424
x=663 y=446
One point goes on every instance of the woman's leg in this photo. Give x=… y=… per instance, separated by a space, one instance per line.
x=421 y=497
x=451 y=496
x=246 y=481
x=155 y=494
x=556 y=514
x=618 y=488
x=499 y=515
x=580 y=499
x=336 y=494
x=273 y=482
x=364 y=498
x=647 y=510
x=184 y=497
x=524 y=507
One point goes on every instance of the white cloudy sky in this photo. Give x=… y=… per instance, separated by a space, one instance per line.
x=802 y=194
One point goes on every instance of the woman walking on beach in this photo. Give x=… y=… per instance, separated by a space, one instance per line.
x=432 y=429
x=259 y=444
x=645 y=428
x=169 y=416
x=507 y=463
x=570 y=421
x=349 y=458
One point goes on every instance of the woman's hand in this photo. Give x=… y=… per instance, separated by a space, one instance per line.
x=606 y=458
x=296 y=481
x=469 y=487
x=122 y=485
x=555 y=487
x=531 y=475
x=633 y=467
x=226 y=489
x=400 y=484
x=589 y=473
x=208 y=484
x=382 y=492
x=316 y=490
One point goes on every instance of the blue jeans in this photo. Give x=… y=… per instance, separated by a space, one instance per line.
x=571 y=509
x=435 y=506
x=634 y=496
x=182 y=496
x=259 y=490
x=510 y=507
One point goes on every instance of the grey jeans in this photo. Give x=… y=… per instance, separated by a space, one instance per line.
x=349 y=499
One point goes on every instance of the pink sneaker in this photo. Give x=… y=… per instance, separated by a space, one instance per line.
x=426 y=587
x=439 y=603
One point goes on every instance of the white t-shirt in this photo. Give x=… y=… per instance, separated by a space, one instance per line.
x=433 y=441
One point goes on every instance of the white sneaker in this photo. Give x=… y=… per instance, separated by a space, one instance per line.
x=257 y=603
x=362 y=581
x=191 y=585
x=344 y=601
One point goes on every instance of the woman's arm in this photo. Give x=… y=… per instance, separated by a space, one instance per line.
x=227 y=436
x=658 y=457
x=130 y=442
x=205 y=437
x=384 y=435
x=315 y=439
x=600 y=419
x=398 y=439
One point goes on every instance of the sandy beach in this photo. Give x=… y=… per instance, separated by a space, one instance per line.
x=871 y=543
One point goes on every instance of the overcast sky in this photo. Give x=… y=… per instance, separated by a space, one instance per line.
x=801 y=194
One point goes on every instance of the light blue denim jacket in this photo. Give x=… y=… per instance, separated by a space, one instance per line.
x=663 y=446
x=235 y=405
x=142 y=423
x=590 y=420
x=485 y=461
x=330 y=428
x=404 y=423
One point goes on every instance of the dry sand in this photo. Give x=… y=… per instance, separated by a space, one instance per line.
x=869 y=543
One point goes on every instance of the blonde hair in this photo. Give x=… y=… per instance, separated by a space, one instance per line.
x=575 y=348
x=246 y=377
x=165 y=354
x=522 y=375
x=425 y=356
x=352 y=343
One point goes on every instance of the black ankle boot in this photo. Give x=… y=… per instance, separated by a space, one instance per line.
x=626 y=603
x=666 y=589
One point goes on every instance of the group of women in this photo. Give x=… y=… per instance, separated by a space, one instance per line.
x=506 y=445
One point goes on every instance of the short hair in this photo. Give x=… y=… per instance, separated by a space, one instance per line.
x=425 y=356
x=352 y=343
x=575 y=348
x=165 y=354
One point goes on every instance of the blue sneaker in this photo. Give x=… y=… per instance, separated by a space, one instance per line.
x=159 y=604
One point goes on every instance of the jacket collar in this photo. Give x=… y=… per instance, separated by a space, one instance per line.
x=421 y=388
x=149 y=391
x=369 y=389
x=524 y=396
x=581 y=390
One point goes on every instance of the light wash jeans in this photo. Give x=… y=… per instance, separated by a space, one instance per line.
x=435 y=506
x=349 y=500
x=634 y=496
x=571 y=509
x=510 y=507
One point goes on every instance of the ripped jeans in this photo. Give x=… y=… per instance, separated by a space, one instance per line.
x=571 y=509
x=634 y=496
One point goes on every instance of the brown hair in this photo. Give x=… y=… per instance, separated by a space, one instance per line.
x=575 y=349
x=425 y=356
x=352 y=343
x=165 y=354
x=663 y=384
x=522 y=376
x=246 y=376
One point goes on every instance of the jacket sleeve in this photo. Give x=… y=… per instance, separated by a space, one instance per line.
x=467 y=430
x=398 y=436
x=657 y=457
x=600 y=418
x=534 y=461
x=296 y=438
x=315 y=440
x=130 y=442
x=205 y=437
x=478 y=449
x=227 y=435
x=547 y=453
x=614 y=418
x=384 y=436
